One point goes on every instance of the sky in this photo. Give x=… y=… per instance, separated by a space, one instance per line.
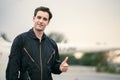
x=81 y=21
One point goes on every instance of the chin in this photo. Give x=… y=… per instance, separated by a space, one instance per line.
x=39 y=30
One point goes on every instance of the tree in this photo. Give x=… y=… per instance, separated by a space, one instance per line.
x=4 y=36
x=57 y=37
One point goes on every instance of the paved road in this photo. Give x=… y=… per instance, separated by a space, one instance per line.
x=85 y=73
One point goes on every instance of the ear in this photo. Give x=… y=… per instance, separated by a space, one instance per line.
x=33 y=18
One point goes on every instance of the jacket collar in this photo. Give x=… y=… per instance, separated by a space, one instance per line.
x=32 y=34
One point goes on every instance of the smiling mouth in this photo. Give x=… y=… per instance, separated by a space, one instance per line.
x=40 y=26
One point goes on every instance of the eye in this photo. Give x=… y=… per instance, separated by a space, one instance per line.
x=38 y=17
x=45 y=19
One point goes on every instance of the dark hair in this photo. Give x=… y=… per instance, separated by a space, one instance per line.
x=45 y=9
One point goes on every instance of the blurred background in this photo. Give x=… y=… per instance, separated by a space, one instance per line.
x=88 y=31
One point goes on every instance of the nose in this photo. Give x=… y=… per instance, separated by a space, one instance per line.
x=41 y=20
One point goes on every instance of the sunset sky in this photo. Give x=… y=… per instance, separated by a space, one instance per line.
x=83 y=21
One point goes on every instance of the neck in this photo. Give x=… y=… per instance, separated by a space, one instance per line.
x=38 y=33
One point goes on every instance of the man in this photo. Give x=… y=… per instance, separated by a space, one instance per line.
x=34 y=56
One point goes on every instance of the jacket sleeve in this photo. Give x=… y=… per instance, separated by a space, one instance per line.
x=13 y=67
x=56 y=67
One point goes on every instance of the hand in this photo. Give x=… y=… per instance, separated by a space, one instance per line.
x=64 y=65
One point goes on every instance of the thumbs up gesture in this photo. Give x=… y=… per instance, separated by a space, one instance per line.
x=64 y=65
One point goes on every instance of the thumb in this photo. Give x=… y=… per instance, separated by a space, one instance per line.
x=65 y=60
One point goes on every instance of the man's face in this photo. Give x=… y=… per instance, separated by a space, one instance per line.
x=41 y=20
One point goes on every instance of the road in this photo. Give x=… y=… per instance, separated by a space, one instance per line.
x=85 y=73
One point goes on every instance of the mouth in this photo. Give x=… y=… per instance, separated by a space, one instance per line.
x=40 y=24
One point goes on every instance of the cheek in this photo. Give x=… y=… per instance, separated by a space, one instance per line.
x=47 y=23
x=34 y=21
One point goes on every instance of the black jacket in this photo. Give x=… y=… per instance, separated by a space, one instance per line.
x=32 y=59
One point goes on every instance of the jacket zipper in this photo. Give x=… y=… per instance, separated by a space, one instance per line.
x=51 y=57
x=29 y=55
x=41 y=59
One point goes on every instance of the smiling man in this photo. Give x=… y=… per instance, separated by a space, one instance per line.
x=33 y=55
